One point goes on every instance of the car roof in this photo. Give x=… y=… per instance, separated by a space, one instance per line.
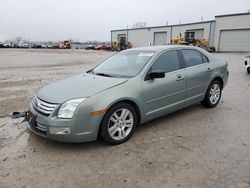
x=158 y=49
x=162 y=47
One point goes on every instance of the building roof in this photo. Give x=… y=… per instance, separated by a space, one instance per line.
x=193 y=23
x=237 y=14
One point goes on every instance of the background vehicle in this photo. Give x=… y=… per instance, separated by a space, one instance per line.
x=90 y=47
x=23 y=44
x=247 y=62
x=36 y=46
x=122 y=44
x=130 y=88
x=102 y=47
x=7 y=45
x=189 y=39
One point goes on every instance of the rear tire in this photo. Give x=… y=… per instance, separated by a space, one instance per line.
x=213 y=94
x=118 y=124
x=248 y=70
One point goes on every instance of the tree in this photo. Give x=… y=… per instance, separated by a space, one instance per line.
x=18 y=39
x=139 y=24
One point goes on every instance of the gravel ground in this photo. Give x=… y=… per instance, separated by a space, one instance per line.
x=194 y=147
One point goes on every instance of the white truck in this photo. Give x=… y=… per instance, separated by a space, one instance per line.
x=247 y=62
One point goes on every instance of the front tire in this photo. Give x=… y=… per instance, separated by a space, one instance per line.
x=213 y=94
x=118 y=124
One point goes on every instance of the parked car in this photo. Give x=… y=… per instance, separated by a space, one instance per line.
x=103 y=47
x=7 y=45
x=90 y=47
x=23 y=44
x=130 y=88
x=36 y=46
x=247 y=62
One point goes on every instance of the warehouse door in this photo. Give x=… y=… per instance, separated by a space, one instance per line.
x=160 y=38
x=235 y=40
x=198 y=33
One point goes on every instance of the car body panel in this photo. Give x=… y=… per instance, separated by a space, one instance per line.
x=79 y=86
x=164 y=95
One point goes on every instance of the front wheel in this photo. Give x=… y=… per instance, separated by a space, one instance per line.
x=248 y=70
x=213 y=94
x=118 y=124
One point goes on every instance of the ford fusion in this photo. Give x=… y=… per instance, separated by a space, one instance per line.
x=128 y=89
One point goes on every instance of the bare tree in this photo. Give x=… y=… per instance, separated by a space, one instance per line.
x=139 y=25
x=18 y=39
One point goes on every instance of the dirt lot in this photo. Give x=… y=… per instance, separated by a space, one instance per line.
x=195 y=147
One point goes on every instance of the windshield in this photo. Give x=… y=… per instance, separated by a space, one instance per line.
x=124 y=64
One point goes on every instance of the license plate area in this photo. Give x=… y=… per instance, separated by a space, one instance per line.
x=31 y=118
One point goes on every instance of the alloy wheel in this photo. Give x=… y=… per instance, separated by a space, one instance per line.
x=120 y=124
x=214 y=94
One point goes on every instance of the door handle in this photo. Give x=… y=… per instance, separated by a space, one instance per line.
x=179 y=77
x=209 y=69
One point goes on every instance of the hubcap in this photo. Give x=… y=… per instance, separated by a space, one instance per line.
x=214 y=93
x=120 y=124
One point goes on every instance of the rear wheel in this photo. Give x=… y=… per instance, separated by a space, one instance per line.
x=118 y=123
x=213 y=94
x=248 y=70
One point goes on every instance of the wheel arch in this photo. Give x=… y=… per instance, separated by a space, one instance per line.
x=218 y=78
x=132 y=103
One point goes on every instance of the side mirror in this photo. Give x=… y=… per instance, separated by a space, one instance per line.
x=156 y=74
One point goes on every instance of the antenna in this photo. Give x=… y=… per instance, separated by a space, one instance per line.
x=202 y=19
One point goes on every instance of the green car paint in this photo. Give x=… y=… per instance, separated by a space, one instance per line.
x=152 y=98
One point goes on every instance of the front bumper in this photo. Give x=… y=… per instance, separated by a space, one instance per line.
x=79 y=129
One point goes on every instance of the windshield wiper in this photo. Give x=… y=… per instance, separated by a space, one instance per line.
x=103 y=74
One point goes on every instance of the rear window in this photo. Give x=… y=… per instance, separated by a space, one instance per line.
x=192 y=57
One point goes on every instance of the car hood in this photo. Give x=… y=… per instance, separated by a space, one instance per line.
x=82 y=85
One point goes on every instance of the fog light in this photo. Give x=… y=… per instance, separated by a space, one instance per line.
x=59 y=130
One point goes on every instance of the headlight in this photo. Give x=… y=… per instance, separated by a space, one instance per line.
x=68 y=108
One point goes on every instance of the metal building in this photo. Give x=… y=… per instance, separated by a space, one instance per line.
x=226 y=33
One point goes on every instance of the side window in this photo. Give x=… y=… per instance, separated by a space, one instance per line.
x=168 y=62
x=192 y=57
x=204 y=58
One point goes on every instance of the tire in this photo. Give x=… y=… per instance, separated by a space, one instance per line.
x=248 y=70
x=213 y=94
x=118 y=124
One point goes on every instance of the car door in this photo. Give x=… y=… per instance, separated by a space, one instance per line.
x=164 y=95
x=198 y=72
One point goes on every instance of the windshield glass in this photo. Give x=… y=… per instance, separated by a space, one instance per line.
x=124 y=64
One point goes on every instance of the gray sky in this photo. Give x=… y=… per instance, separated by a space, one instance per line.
x=93 y=19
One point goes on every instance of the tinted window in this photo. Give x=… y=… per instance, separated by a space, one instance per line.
x=205 y=59
x=168 y=62
x=192 y=57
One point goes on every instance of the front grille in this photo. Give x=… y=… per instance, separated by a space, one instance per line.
x=42 y=106
x=41 y=127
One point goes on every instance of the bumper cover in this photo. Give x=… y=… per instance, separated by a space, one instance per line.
x=82 y=129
